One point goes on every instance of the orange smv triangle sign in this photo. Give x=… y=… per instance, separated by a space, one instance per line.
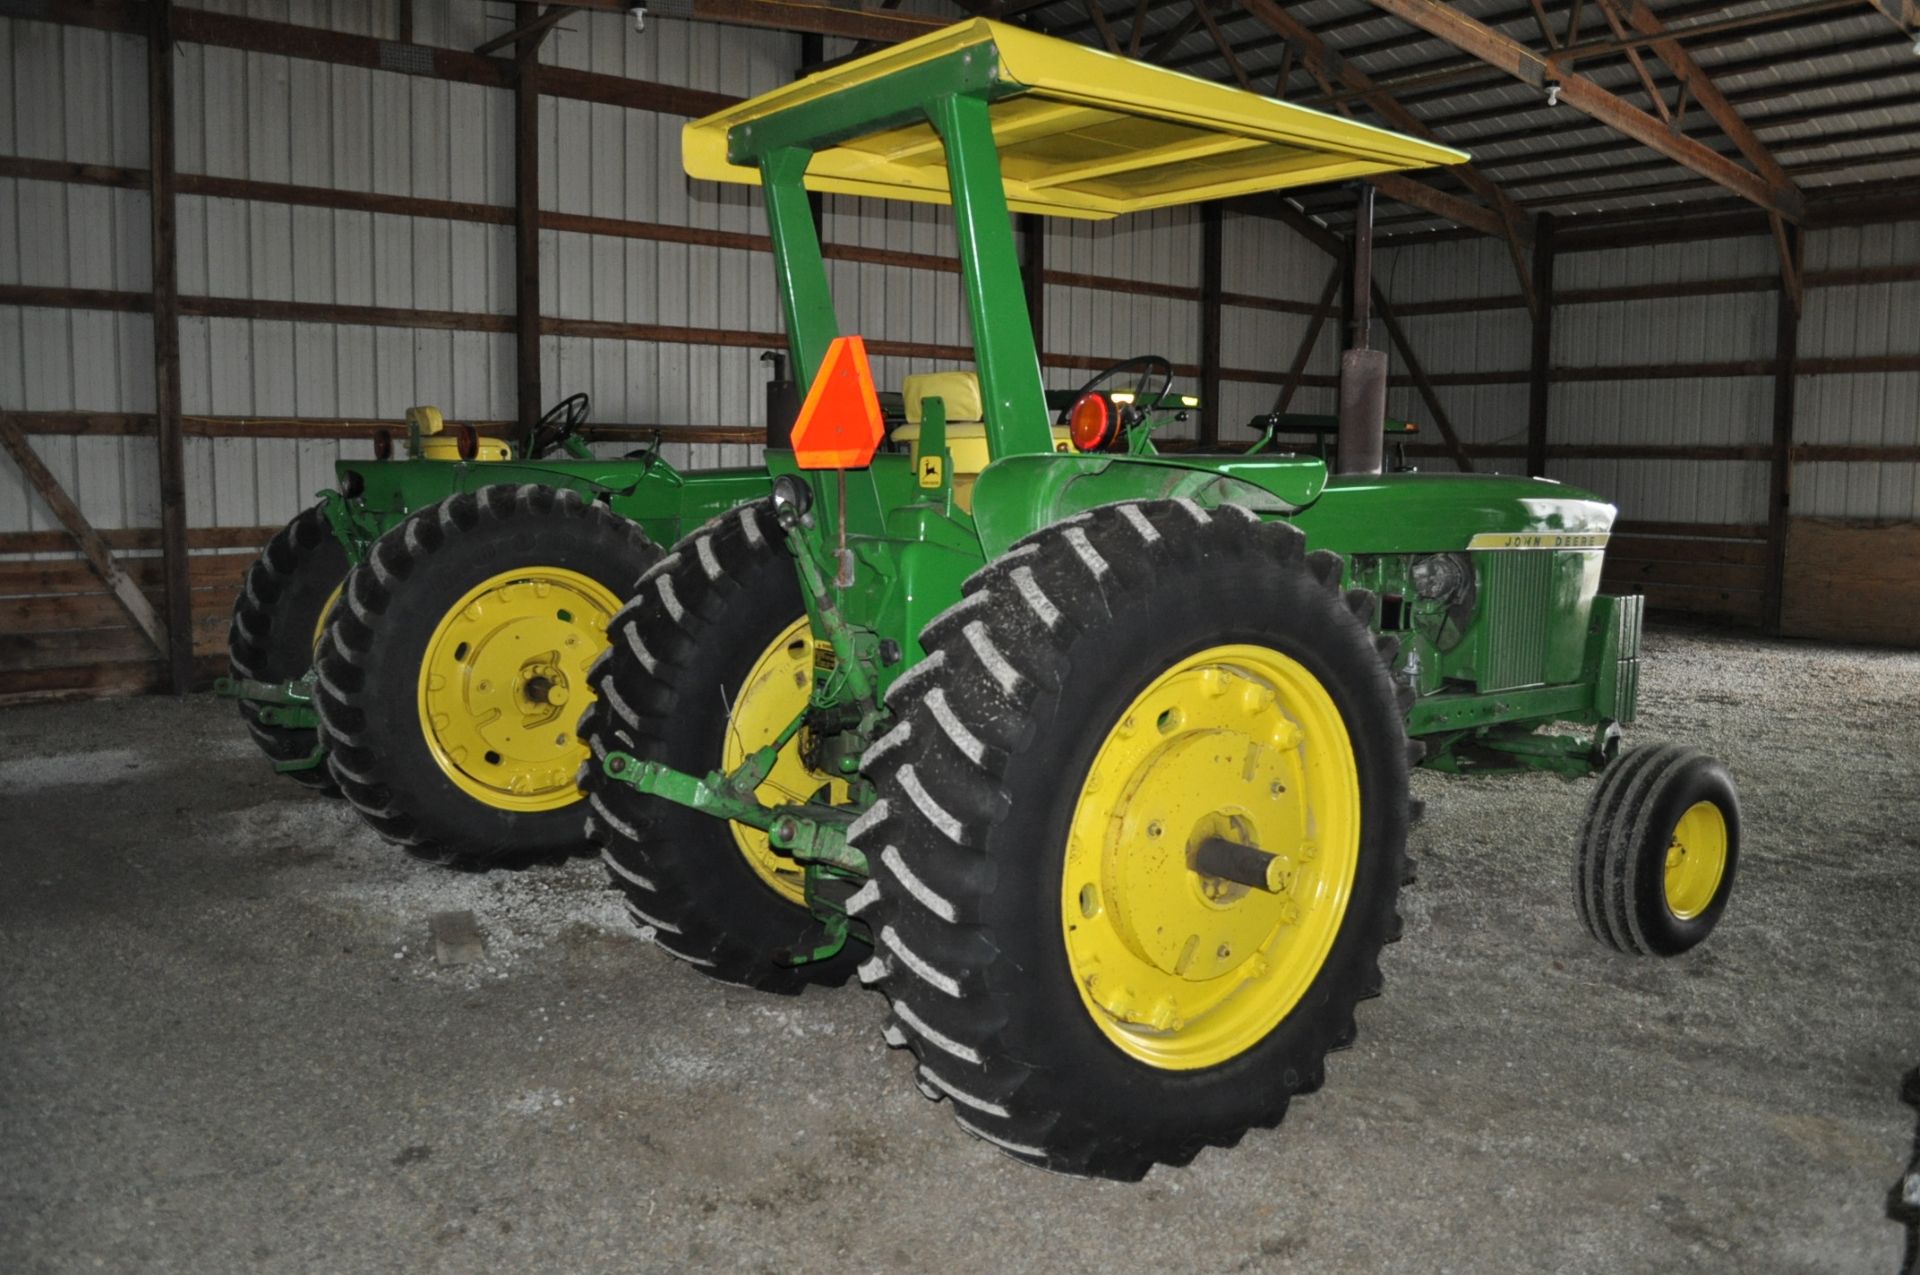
x=839 y=426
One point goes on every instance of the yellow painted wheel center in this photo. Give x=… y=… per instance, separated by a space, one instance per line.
x=1696 y=860
x=326 y=611
x=776 y=689
x=1182 y=970
x=504 y=683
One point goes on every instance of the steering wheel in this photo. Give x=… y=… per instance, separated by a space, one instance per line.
x=1130 y=413
x=561 y=422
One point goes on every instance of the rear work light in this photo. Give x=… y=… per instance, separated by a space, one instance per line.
x=1091 y=423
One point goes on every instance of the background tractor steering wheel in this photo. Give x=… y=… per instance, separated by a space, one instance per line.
x=1148 y=365
x=561 y=422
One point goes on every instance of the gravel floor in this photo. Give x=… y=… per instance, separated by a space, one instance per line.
x=225 y=1043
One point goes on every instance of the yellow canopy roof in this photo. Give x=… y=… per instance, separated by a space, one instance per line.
x=1082 y=133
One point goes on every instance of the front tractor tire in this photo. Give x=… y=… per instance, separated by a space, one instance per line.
x=453 y=675
x=1656 y=854
x=711 y=659
x=1111 y=697
x=278 y=619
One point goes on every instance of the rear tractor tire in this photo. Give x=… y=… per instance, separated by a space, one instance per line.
x=1064 y=951
x=278 y=620
x=711 y=659
x=453 y=675
x=1655 y=859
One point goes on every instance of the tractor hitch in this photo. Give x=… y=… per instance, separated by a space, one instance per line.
x=285 y=704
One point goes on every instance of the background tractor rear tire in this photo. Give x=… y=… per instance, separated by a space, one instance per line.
x=1067 y=1022
x=715 y=638
x=276 y=626
x=452 y=676
x=1655 y=859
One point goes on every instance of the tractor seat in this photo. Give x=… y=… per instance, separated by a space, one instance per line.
x=959 y=392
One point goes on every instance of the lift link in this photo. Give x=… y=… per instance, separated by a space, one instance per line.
x=285 y=704
x=802 y=831
x=814 y=835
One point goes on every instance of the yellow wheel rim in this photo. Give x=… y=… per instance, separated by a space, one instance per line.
x=1696 y=860
x=776 y=689
x=1181 y=970
x=504 y=682
x=326 y=610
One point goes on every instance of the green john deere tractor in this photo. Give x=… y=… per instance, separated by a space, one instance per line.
x=419 y=640
x=1093 y=760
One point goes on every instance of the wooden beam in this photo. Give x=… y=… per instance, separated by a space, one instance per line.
x=1787 y=244
x=1639 y=64
x=1462 y=212
x=1700 y=85
x=1507 y=221
x=851 y=22
x=1033 y=275
x=1100 y=22
x=1540 y=386
x=1546 y=27
x=1174 y=34
x=526 y=231
x=1422 y=382
x=1786 y=349
x=1303 y=353
x=1904 y=14
x=1138 y=27
x=548 y=19
x=1212 y=253
x=98 y=556
x=1220 y=42
x=175 y=634
x=1504 y=53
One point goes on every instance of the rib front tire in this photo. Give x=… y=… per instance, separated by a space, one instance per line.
x=1655 y=858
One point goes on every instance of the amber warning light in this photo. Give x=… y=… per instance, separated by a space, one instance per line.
x=839 y=426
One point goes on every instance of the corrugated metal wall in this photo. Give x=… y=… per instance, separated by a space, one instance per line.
x=1861 y=408
x=1672 y=411
x=1456 y=342
x=77 y=96
x=1260 y=258
x=1121 y=288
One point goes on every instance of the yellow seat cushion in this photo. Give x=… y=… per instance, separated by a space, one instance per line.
x=959 y=391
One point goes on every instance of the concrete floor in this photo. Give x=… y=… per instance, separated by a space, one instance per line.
x=225 y=1043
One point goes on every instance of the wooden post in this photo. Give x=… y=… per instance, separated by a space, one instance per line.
x=1786 y=353
x=1212 y=251
x=1540 y=378
x=178 y=622
x=526 y=228
x=1033 y=275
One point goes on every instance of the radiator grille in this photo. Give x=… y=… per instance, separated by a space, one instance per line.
x=1521 y=586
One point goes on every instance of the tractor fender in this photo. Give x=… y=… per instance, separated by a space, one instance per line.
x=1018 y=495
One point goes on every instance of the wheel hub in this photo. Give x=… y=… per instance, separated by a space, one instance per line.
x=1181 y=967
x=497 y=686
x=1696 y=860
